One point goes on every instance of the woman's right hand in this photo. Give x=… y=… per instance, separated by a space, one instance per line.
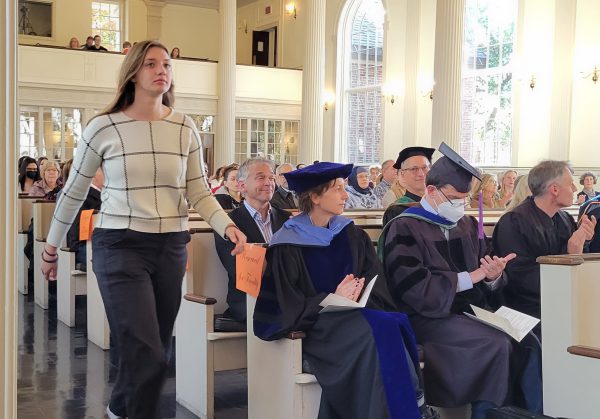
x=49 y=262
x=350 y=287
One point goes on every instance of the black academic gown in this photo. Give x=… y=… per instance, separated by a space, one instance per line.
x=397 y=208
x=594 y=245
x=465 y=361
x=529 y=232
x=283 y=199
x=236 y=299
x=357 y=356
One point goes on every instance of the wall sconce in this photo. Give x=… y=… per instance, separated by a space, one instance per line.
x=393 y=90
x=594 y=74
x=532 y=82
x=290 y=8
x=425 y=85
x=328 y=99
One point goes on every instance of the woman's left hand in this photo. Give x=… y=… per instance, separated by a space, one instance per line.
x=237 y=237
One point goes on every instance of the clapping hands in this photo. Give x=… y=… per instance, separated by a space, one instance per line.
x=493 y=267
x=584 y=232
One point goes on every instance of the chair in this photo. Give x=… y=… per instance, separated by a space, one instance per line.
x=98 y=330
x=200 y=351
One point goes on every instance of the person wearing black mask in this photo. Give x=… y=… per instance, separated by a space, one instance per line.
x=28 y=174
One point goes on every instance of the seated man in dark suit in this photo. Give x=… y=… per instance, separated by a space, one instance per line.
x=258 y=220
x=283 y=198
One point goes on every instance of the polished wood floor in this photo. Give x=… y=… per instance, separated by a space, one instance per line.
x=61 y=375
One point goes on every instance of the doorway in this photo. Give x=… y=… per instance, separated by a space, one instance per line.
x=264 y=47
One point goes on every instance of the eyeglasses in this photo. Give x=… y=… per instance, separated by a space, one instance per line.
x=453 y=204
x=415 y=170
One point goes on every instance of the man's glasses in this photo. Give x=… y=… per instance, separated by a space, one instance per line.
x=415 y=170
x=454 y=204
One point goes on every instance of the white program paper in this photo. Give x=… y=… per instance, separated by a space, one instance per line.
x=334 y=302
x=514 y=323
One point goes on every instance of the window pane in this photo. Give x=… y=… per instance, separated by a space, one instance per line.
x=486 y=95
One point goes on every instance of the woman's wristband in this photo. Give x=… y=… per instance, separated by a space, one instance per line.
x=50 y=254
x=49 y=261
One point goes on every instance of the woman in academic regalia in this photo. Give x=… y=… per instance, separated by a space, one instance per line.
x=364 y=359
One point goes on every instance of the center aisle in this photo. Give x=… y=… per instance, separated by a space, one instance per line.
x=63 y=376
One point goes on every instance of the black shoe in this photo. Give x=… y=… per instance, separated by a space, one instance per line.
x=428 y=412
x=226 y=324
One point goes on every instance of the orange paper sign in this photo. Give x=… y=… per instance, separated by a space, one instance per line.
x=249 y=269
x=86 y=224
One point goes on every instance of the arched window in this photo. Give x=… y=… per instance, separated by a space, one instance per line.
x=360 y=77
x=487 y=81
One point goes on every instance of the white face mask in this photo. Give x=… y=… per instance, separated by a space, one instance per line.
x=452 y=210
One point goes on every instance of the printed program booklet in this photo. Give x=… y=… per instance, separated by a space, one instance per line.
x=512 y=322
x=334 y=302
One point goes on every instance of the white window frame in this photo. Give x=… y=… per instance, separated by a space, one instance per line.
x=499 y=71
x=343 y=77
x=97 y=31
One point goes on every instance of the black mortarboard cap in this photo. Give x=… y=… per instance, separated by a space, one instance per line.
x=453 y=169
x=411 y=152
x=308 y=177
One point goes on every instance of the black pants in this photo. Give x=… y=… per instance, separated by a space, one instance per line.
x=140 y=276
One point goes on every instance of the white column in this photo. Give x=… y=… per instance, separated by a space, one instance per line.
x=225 y=124
x=447 y=72
x=8 y=215
x=154 y=10
x=313 y=82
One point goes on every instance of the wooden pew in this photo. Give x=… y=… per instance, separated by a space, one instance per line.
x=42 y=217
x=277 y=387
x=570 y=290
x=70 y=283
x=200 y=351
x=24 y=215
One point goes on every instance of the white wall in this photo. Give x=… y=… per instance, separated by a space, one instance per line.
x=88 y=80
x=193 y=29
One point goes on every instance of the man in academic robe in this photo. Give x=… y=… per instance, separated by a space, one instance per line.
x=539 y=227
x=437 y=264
x=413 y=165
x=258 y=220
x=283 y=198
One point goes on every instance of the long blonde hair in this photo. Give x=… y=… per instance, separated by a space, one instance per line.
x=520 y=193
x=478 y=186
x=125 y=86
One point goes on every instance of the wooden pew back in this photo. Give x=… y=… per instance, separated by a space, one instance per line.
x=24 y=212
x=43 y=212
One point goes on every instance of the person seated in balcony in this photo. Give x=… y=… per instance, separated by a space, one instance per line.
x=360 y=194
x=89 y=44
x=29 y=173
x=74 y=43
x=228 y=195
x=364 y=359
x=175 y=53
x=258 y=220
x=98 y=45
x=126 y=47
